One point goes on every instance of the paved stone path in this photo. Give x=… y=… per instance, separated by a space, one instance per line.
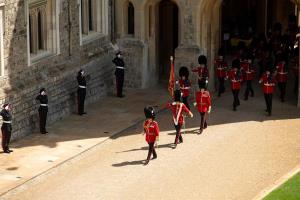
x=239 y=155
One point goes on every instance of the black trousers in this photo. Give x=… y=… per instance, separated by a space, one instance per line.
x=249 y=89
x=151 y=150
x=268 y=99
x=203 y=123
x=221 y=86
x=43 y=118
x=81 y=93
x=282 y=88
x=185 y=101
x=120 y=83
x=6 y=135
x=178 y=134
x=236 y=100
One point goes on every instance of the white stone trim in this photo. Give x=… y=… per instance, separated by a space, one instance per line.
x=101 y=24
x=50 y=29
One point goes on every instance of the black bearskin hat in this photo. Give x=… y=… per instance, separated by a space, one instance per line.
x=236 y=63
x=202 y=85
x=202 y=60
x=184 y=71
x=177 y=95
x=149 y=112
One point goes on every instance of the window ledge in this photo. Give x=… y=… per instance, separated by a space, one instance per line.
x=92 y=36
x=34 y=58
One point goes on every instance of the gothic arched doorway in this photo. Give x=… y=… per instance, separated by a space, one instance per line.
x=168 y=36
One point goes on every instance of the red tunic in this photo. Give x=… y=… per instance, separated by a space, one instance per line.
x=235 y=80
x=202 y=72
x=281 y=73
x=221 y=68
x=178 y=109
x=268 y=83
x=203 y=101
x=151 y=129
x=248 y=73
x=185 y=87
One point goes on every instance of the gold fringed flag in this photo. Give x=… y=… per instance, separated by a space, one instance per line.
x=172 y=78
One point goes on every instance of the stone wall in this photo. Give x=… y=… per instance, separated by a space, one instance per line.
x=56 y=73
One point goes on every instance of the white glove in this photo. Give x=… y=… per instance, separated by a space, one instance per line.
x=195 y=104
x=209 y=109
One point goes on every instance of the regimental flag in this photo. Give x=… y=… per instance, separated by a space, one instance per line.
x=172 y=78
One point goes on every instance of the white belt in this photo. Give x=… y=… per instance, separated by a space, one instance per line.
x=43 y=104
x=80 y=86
x=7 y=122
x=282 y=72
x=120 y=67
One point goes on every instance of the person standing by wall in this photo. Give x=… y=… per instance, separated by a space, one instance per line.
x=43 y=109
x=119 y=73
x=6 y=127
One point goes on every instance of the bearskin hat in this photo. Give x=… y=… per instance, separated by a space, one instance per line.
x=184 y=71
x=202 y=60
x=149 y=112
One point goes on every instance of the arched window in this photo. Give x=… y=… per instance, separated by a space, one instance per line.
x=130 y=18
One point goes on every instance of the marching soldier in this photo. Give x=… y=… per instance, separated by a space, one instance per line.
x=178 y=109
x=236 y=79
x=151 y=130
x=81 y=91
x=221 y=68
x=43 y=110
x=281 y=76
x=202 y=70
x=248 y=73
x=268 y=88
x=203 y=103
x=119 y=73
x=185 y=85
x=6 y=127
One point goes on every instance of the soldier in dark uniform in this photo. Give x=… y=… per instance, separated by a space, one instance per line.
x=6 y=127
x=43 y=109
x=119 y=73
x=81 y=91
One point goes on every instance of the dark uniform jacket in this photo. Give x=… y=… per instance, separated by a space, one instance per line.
x=119 y=62
x=6 y=117
x=43 y=100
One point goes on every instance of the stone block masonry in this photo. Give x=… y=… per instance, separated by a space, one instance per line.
x=22 y=79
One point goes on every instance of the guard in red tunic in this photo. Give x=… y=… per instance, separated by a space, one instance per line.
x=235 y=77
x=248 y=76
x=185 y=85
x=268 y=82
x=221 y=71
x=178 y=109
x=151 y=130
x=203 y=103
x=202 y=70
x=281 y=76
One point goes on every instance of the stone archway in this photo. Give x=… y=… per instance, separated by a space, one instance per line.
x=167 y=35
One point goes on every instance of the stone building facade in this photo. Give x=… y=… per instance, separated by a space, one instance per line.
x=44 y=43
x=182 y=28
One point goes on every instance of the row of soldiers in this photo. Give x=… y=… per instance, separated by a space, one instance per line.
x=42 y=98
